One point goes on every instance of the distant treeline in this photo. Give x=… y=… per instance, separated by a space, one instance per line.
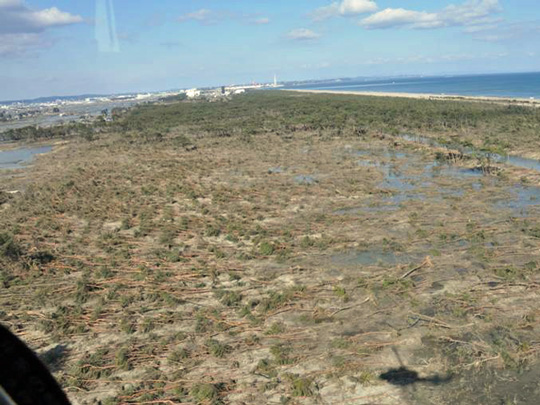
x=287 y=112
x=502 y=127
x=33 y=133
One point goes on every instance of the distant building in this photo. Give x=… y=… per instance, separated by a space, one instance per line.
x=193 y=93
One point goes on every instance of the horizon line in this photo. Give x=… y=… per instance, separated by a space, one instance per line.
x=26 y=100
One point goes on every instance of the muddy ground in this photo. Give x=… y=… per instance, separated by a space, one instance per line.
x=275 y=269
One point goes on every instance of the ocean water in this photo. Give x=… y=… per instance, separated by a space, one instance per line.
x=513 y=85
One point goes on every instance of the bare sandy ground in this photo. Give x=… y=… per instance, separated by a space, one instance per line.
x=425 y=96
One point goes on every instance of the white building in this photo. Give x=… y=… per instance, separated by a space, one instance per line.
x=192 y=93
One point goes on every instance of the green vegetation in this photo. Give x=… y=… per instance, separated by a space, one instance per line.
x=205 y=393
x=275 y=112
x=300 y=387
x=8 y=247
x=33 y=134
x=344 y=115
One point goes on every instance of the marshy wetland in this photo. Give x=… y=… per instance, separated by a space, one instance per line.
x=18 y=158
x=282 y=248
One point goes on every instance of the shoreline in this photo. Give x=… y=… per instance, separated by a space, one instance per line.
x=428 y=96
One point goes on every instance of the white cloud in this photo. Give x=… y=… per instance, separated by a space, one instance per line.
x=22 y=28
x=525 y=31
x=344 y=8
x=19 y=44
x=209 y=17
x=16 y=17
x=396 y=17
x=354 y=7
x=471 y=13
x=203 y=15
x=436 y=59
x=173 y=44
x=10 y=3
x=322 y=65
x=479 y=28
x=302 y=34
x=52 y=17
x=262 y=21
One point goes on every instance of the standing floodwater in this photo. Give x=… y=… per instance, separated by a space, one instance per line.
x=17 y=158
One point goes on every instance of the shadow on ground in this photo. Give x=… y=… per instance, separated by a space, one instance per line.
x=403 y=376
x=55 y=357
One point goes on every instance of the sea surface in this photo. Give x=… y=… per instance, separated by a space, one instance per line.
x=513 y=85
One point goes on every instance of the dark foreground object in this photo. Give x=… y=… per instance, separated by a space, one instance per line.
x=404 y=376
x=24 y=377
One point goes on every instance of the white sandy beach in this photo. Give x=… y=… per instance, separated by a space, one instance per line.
x=425 y=96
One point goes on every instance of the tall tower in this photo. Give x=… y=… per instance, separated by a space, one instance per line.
x=106 y=35
x=275 y=80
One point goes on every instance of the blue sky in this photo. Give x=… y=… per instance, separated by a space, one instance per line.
x=49 y=47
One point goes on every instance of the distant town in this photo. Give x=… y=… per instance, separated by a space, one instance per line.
x=49 y=111
x=57 y=110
